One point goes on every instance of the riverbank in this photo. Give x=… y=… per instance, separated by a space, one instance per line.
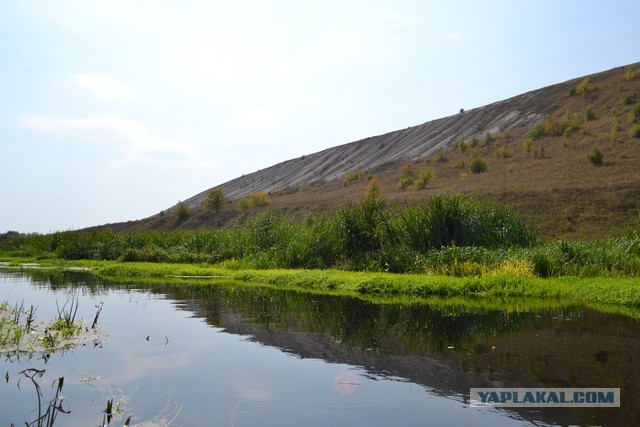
x=592 y=290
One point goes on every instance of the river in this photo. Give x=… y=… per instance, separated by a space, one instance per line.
x=227 y=354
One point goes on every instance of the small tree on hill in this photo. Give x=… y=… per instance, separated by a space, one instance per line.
x=374 y=189
x=182 y=211
x=215 y=199
x=408 y=176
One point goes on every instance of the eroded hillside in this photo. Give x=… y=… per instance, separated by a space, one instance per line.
x=545 y=175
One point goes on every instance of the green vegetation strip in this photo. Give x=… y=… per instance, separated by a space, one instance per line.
x=598 y=290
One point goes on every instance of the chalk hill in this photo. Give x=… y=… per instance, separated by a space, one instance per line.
x=546 y=176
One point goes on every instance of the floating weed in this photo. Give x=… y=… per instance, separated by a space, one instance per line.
x=30 y=318
x=12 y=330
x=66 y=325
x=95 y=319
x=49 y=340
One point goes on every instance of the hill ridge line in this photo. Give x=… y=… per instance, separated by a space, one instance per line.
x=368 y=154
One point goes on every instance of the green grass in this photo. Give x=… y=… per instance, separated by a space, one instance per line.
x=370 y=235
x=455 y=245
x=620 y=291
x=449 y=235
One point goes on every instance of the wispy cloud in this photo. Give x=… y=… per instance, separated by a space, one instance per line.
x=143 y=147
x=102 y=87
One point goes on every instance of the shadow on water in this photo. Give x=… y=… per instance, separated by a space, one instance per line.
x=446 y=347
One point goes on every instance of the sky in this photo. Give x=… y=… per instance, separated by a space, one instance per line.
x=116 y=110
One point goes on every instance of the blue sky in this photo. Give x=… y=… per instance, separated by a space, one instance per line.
x=115 y=110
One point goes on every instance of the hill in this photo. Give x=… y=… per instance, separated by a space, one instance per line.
x=562 y=156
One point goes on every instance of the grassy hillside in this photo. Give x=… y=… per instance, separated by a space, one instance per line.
x=569 y=165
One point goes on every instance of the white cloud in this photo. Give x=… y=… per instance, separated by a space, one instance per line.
x=103 y=87
x=143 y=147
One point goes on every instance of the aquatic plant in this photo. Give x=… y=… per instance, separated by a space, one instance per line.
x=47 y=417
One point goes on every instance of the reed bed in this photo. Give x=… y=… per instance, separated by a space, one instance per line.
x=445 y=235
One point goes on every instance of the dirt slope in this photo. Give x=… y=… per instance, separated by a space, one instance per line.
x=548 y=180
x=414 y=143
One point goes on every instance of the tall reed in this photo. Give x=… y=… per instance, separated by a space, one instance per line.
x=454 y=235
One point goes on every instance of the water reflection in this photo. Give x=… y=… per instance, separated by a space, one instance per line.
x=444 y=349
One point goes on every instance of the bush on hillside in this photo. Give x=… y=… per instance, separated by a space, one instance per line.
x=595 y=156
x=478 y=165
x=426 y=176
x=555 y=126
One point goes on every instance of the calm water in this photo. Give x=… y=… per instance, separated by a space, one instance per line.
x=228 y=355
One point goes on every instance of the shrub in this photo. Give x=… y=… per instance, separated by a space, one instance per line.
x=461 y=145
x=259 y=198
x=408 y=176
x=488 y=138
x=570 y=124
x=373 y=189
x=244 y=204
x=353 y=176
x=555 y=126
x=589 y=115
x=406 y=182
x=629 y=98
x=254 y=200
x=426 y=176
x=502 y=152
x=440 y=157
x=615 y=128
x=631 y=74
x=595 y=156
x=634 y=132
x=182 y=211
x=478 y=165
x=634 y=114
x=537 y=131
x=459 y=164
x=584 y=88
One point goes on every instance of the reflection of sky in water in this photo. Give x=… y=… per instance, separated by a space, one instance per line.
x=209 y=377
